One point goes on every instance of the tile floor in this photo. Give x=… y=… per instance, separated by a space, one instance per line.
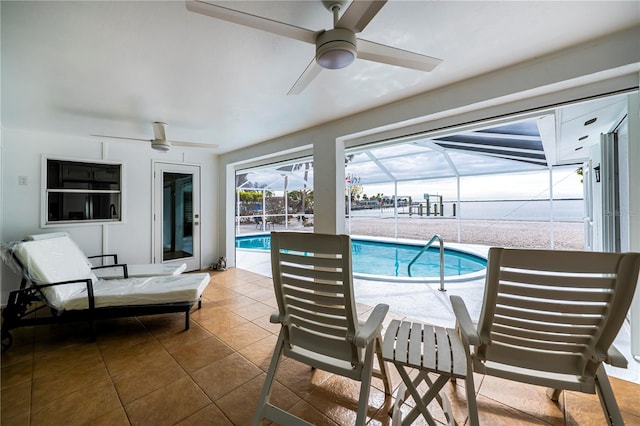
x=149 y=371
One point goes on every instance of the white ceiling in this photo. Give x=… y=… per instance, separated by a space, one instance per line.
x=114 y=67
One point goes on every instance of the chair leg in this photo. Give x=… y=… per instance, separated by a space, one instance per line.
x=92 y=330
x=386 y=380
x=607 y=398
x=554 y=394
x=268 y=382
x=365 y=385
x=470 y=390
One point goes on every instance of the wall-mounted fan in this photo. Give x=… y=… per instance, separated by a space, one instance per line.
x=335 y=48
x=159 y=141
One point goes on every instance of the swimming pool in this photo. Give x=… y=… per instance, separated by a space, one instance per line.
x=373 y=259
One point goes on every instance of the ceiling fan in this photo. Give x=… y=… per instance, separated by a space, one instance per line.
x=160 y=142
x=335 y=48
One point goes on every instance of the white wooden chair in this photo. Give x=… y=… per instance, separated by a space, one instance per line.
x=549 y=318
x=313 y=287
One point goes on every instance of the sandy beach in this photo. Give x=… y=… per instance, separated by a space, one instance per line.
x=566 y=235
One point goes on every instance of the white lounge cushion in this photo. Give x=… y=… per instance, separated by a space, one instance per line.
x=37 y=237
x=142 y=270
x=141 y=291
x=135 y=270
x=55 y=260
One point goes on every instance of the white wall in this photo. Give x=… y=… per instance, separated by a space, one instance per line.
x=629 y=158
x=630 y=205
x=22 y=153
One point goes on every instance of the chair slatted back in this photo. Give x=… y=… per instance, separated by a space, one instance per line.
x=314 y=291
x=556 y=311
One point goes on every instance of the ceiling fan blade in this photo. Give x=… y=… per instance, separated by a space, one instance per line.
x=359 y=14
x=376 y=52
x=311 y=72
x=121 y=137
x=195 y=145
x=253 y=21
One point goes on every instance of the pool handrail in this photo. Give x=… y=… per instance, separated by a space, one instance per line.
x=431 y=241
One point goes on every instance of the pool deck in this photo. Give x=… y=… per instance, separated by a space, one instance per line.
x=426 y=303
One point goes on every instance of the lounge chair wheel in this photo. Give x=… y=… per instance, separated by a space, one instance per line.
x=7 y=340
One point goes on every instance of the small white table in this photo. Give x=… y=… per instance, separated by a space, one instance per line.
x=142 y=270
x=429 y=349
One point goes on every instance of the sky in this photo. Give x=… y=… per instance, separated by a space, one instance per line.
x=511 y=186
x=507 y=186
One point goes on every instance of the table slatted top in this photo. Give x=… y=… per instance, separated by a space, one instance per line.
x=426 y=347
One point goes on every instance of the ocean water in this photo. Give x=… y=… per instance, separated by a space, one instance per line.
x=564 y=210
x=571 y=210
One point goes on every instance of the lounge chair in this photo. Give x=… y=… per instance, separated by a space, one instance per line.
x=258 y=220
x=56 y=275
x=549 y=318
x=319 y=324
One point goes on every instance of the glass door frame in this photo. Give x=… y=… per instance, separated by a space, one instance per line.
x=193 y=262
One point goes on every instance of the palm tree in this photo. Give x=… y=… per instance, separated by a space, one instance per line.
x=305 y=193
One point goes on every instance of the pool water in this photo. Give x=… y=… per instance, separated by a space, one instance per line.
x=392 y=259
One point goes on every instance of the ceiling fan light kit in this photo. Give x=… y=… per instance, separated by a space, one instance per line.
x=159 y=141
x=160 y=145
x=336 y=48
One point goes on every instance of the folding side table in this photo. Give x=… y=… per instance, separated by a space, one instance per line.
x=429 y=349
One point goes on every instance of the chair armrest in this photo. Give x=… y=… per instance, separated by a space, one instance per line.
x=113 y=255
x=463 y=320
x=125 y=268
x=615 y=358
x=371 y=327
x=87 y=281
x=80 y=280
